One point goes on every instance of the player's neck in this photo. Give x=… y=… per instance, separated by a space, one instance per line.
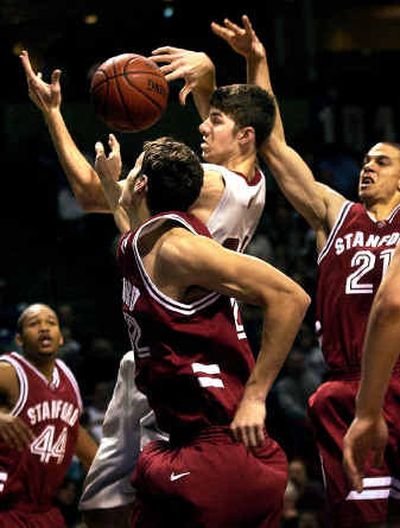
x=381 y=211
x=44 y=365
x=246 y=166
x=138 y=216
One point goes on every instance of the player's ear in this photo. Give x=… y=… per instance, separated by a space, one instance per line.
x=246 y=135
x=18 y=339
x=140 y=184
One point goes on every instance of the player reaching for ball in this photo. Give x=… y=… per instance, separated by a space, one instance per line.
x=223 y=205
x=193 y=359
x=356 y=242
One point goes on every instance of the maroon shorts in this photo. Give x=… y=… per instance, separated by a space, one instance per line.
x=331 y=410
x=212 y=481
x=22 y=518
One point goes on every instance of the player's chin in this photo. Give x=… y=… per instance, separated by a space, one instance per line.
x=207 y=156
x=47 y=351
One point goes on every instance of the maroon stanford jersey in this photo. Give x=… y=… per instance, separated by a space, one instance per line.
x=192 y=359
x=351 y=266
x=52 y=411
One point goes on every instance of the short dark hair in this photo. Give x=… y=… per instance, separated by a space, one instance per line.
x=247 y=105
x=174 y=173
x=21 y=318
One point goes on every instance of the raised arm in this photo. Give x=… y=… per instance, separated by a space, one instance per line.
x=199 y=261
x=82 y=177
x=368 y=432
x=316 y=202
x=195 y=68
x=106 y=167
x=244 y=41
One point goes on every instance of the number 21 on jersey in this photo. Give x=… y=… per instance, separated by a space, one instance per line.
x=365 y=261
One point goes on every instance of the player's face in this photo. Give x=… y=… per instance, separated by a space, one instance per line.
x=220 y=144
x=380 y=174
x=40 y=336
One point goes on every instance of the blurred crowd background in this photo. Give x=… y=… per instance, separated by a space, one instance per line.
x=334 y=69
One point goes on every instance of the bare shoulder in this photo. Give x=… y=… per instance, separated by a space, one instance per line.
x=9 y=385
x=213 y=181
x=182 y=248
x=334 y=202
x=7 y=370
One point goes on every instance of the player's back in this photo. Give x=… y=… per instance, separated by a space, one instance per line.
x=30 y=479
x=192 y=359
x=351 y=266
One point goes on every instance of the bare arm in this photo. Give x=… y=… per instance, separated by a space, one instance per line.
x=316 y=202
x=82 y=177
x=13 y=431
x=86 y=448
x=195 y=68
x=203 y=262
x=368 y=432
x=244 y=41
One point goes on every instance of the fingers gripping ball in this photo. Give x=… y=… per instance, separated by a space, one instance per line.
x=129 y=92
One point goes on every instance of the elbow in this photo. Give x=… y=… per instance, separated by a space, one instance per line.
x=90 y=204
x=298 y=300
x=303 y=301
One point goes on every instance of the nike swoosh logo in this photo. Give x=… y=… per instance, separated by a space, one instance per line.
x=176 y=476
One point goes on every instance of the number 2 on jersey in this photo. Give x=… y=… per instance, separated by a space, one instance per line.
x=365 y=261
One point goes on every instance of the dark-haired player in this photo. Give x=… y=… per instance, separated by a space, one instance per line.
x=39 y=424
x=355 y=242
x=193 y=361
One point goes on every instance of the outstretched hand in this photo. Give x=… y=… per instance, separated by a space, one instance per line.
x=194 y=67
x=243 y=40
x=249 y=422
x=363 y=437
x=108 y=167
x=45 y=96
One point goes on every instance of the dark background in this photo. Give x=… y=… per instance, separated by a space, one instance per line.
x=335 y=70
x=334 y=67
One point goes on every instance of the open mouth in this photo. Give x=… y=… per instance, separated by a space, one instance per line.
x=366 y=181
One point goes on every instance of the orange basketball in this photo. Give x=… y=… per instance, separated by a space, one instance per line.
x=129 y=92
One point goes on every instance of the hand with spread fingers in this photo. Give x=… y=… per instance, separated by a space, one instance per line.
x=110 y=166
x=243 y=40
x=44 y=95
x=195 y=67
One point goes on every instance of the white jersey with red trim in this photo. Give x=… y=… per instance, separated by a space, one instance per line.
x=236 y=217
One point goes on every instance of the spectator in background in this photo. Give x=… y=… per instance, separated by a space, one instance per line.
x=310 y=491
x=292 y=391
x=338 y=167
x=96 y=409
x=290 y=513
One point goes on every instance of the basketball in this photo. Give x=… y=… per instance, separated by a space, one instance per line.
x=129 y=92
